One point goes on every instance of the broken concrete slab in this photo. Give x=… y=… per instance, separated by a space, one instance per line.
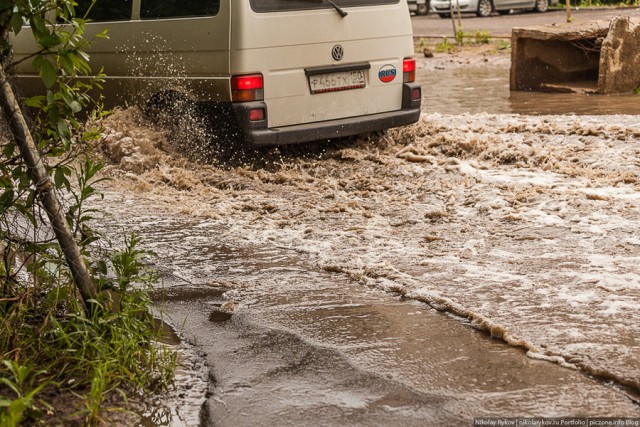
x=588 y=57
x=620 y=57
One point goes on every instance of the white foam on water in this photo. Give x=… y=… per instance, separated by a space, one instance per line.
x=524 y=226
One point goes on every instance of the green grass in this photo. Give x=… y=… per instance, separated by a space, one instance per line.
x=482 y=37
x=50 y=349
x=444 y=46
x=503 y=45
x=461 y=39
x=585 y=4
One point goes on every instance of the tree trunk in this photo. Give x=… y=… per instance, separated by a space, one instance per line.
x=46 y=191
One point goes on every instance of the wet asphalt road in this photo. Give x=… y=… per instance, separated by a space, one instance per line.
x=497 y=25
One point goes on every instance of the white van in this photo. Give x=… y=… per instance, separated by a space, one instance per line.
x=284 y=71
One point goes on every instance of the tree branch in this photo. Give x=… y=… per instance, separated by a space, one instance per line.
x=45 y=188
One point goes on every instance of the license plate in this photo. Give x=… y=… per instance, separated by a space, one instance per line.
x=334 y=82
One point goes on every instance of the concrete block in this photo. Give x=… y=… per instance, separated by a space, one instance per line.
x=588 y=57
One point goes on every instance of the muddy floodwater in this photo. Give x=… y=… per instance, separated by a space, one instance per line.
x=450 y=88
x=471 y=265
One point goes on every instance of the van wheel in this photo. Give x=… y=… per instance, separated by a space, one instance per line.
x=484 y=8
x=423 y=9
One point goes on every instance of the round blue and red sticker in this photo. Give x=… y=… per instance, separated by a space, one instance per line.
x=387 y=73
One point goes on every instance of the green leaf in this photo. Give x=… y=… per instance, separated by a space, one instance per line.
x=17 y=408
x=81 y=65
x=38 y=61
x=25 y=181
x=8 y=150
x=75 y=106
x=17 y=173
x=87 y=191
x=6 y=199
x=38 y=26
x=6 y=182
x=35 y=101
x=48 y=41
x=89 y=240
x=16 y=22
x=63 y=128
x=30 y=198
x=66 y=143
x=67 y=95
x=10 y=384
x=102 y=267
x=84 y=55
x=60 y=179
x=54 y=113
x=50 y=98
x=85 y=218
x=66 y=63
x=48 y=74
x=59 y=293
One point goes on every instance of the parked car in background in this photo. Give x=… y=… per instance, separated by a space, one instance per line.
x=484 y=8
x=419 y=7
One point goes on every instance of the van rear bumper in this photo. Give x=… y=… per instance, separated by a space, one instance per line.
x=331 y=129
x=257 y=133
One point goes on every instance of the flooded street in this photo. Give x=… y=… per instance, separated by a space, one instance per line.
x=476 y=264
x=460 y=85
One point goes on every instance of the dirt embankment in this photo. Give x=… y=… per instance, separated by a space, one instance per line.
x=446 y=55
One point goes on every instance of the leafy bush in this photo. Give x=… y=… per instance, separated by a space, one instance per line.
x=55 y=338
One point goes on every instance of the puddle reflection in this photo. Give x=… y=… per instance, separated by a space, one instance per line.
x=486 y=90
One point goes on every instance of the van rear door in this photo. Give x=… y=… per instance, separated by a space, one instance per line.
x=319 y=65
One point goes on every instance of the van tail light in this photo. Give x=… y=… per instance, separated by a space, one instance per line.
x=247 y=88
x=256 y=114
x=409 y=70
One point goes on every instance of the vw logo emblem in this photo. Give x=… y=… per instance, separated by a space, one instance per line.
x=337 y=52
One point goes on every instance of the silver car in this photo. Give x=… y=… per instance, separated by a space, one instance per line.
x=484 y=8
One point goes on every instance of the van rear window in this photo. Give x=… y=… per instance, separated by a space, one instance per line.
x=285 y=5
x=155 y=9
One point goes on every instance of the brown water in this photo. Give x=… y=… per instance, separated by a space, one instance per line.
x=300 y=344
x=472 y=89
x=307 y=275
